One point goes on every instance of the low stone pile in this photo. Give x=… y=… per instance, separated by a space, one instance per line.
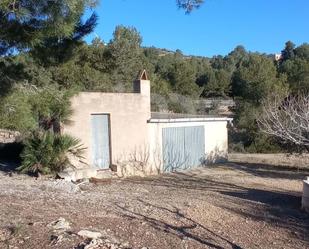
x=61 y=231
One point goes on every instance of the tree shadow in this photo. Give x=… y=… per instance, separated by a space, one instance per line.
x=269 y=171
x=8 y=166
x=186 y=181
x=272 y=198
x=278 y=208
x=189 y=228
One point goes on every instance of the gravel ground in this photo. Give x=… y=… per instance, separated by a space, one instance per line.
x=224 y=206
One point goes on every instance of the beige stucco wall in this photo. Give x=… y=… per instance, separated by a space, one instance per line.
x=129 y=113
x=216 y=141
x=135 y=139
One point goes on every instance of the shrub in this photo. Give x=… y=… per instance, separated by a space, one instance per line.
x=48 y=153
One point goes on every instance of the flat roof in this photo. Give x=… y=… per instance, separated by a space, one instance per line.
x=157 y=117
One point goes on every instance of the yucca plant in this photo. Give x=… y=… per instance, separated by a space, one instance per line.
x=48 y=153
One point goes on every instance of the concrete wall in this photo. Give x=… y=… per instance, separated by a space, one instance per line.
x=136 y=139
x=216 y=141
x=129 y=113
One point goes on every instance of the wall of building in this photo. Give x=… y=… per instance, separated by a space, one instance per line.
x=129 y=113
x=216 y=141
x=135 y=138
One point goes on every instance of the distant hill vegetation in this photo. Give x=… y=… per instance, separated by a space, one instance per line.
x=63 y=67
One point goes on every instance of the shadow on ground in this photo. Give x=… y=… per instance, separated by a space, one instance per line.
x=269 y=171
x=10 y=156
x=277 y=208
x=188 y=228
x=8 y=166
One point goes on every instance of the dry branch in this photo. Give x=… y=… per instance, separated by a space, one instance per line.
x=286 y=118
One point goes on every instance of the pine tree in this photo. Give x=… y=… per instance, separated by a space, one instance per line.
x=27 y=23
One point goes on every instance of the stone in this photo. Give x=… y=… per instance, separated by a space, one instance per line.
x=60 y=224
x=78 y=174
x=89 y=234
x=94 y=244
x=4 y=235
x=62 y=186
x=56 y=239
x=91 y=244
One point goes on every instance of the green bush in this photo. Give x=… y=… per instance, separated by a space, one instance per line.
x=48 y=153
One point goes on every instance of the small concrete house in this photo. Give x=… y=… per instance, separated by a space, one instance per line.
x=121 y=134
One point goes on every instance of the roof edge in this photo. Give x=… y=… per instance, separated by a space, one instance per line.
x=179 y=120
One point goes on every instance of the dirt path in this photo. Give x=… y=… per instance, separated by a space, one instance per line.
x=227 y=206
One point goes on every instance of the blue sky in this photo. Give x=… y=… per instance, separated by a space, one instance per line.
x=216 y=28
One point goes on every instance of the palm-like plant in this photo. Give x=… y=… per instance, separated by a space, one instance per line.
x=46 y=152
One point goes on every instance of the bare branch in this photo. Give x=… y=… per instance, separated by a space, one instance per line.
x=287 y=118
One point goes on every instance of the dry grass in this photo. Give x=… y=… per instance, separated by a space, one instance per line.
x=296 y=161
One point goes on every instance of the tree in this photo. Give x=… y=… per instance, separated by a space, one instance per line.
x=11 y=72
x=27 y=23
x=288 y=51
x=125 y=55
x=182 y=78
x=189 y=5
x=255 y=78
x=302 y=51
x=29 y=108
x=216 y=83
x=286 y=118
x=297 y=71
x=295 y=65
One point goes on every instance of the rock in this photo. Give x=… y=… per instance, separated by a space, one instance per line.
x=4 y=235
x=90 y=244
x=94 y=243
x=56 y=239
x=100 y=244
x=62 y=185
x=89 y=234
x=60 y=224
x=77 y=174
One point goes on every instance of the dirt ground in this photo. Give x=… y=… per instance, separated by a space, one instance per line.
x=233 y=205
x=282 y=160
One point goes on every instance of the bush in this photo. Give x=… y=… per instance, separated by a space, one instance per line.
x=48 y=153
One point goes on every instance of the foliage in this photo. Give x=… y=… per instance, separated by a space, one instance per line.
x=51 y=108
x=255 y=78
x=28 y=107
x=36 y=85
x=27 y=23
x=125 y=55
x=16 y=112
x=189 y=5
x=295 y=64
x=46 y=152
x=216 y=83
